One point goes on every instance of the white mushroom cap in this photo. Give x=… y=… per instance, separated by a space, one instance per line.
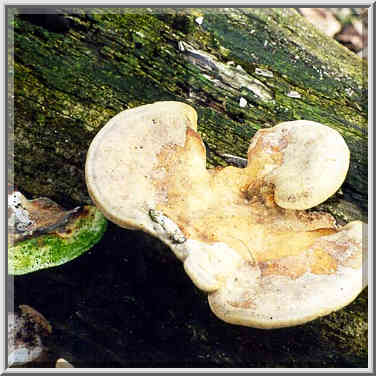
x=121 y=160
x=285 y=292
x=233 y=227
x=314 y=162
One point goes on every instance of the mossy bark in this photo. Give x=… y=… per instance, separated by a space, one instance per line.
x=68 y=85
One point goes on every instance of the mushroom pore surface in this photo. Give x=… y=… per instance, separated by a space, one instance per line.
x=241 y=232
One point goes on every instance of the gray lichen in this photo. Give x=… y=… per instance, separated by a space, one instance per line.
x=171 y=229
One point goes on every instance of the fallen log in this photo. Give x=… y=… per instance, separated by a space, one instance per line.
x=241 y=69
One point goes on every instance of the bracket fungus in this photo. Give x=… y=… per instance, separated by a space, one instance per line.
x=41 y=234
x=242 y=233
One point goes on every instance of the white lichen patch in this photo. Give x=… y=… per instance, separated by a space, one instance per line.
x=263 y=72
x=238 y=78
x=170 y=228
x=293 y=94
x=235 y=160
x=231 y=78
x=259 y=90
x=140 y=34
x=349 y=91
x=181 y=46
x=19 y=219
x=241 y=69
x=199 y=20
x=242 y=102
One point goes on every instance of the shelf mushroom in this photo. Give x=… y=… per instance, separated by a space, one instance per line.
x=242 y=233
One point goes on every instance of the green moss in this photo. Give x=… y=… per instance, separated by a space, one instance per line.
x=348 y=328
x=50 y=250
x=114 y=59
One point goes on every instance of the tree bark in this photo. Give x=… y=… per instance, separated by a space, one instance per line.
x=67 y=82
x=68 y=85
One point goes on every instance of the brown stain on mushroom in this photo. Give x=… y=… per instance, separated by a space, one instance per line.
x=315 y=261
x=323 y=263
x=243 y=302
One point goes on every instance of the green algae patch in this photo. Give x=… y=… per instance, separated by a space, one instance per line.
x=84 y=230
